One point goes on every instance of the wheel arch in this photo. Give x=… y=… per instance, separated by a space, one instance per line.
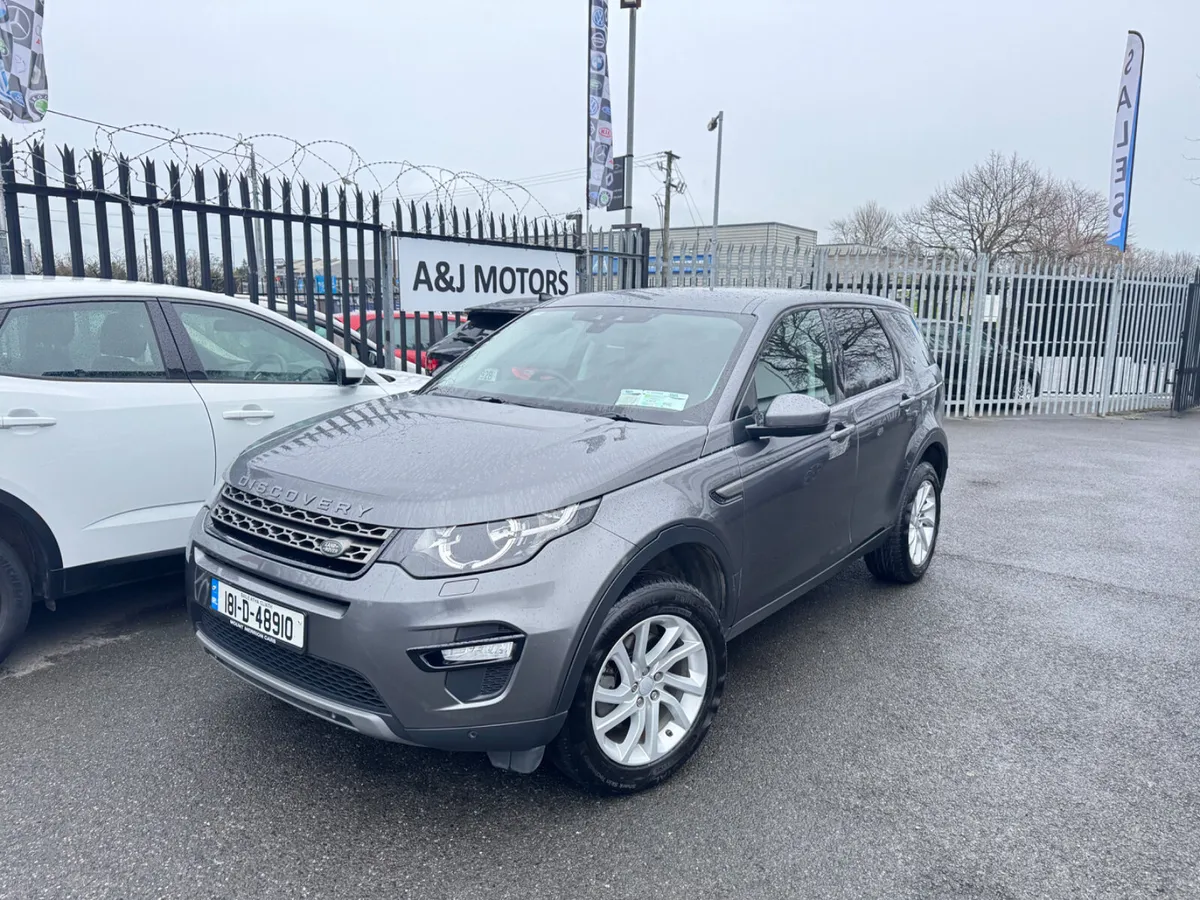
x=29 y=532
x=690 y=551
x=935 y=450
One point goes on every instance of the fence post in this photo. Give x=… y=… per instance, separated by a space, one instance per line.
x=1111 y=334
x=979 y=298
x=643 y=258
x=819 y=262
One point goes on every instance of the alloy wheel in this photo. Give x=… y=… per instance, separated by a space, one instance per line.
x=922 y=524
x=650 y=690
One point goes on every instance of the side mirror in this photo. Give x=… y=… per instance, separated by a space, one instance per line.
x=350 y=370
x=792 y=415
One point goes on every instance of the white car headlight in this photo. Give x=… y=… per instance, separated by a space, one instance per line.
x=464 y=549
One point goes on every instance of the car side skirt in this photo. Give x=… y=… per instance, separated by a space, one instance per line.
x=796 y=593
x=114 y=573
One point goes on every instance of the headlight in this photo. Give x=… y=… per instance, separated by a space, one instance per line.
x=463 y=549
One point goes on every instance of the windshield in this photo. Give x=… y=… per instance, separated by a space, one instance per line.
x=645 y=364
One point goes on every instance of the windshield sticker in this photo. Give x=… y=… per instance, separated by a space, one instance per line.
x=653 y=399
x=488 y=374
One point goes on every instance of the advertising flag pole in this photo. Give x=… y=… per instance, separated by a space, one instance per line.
x=1129 y=102
x=585 y=283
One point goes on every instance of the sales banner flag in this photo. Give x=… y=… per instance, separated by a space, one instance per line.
x=1124 y=138
x=23 y=93
x=600 y=131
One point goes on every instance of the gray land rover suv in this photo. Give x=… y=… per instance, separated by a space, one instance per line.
x=547 y=546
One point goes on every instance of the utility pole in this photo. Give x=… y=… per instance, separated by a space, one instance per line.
x=256 y=200
x=5 y=262
x=670 y=186
x=146 y=255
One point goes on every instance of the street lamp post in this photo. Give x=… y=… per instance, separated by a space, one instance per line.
x=717 y=125
x=632 y=6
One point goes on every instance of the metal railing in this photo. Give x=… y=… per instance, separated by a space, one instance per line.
x=319 y=257
x=1012 y=336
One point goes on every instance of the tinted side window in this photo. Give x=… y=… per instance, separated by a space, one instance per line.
x=867 y=357
x=910 y=340
x=100 y=340
x=795 y=360
x=238 y=346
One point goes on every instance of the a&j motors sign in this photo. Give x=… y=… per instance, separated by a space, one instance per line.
x=438 y=275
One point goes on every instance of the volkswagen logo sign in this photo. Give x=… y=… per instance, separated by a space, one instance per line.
x=332 y=547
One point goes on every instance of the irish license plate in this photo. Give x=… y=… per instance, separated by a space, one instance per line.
x=267 y=620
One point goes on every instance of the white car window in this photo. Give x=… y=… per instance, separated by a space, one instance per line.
x=238 y=346
x=99 y=340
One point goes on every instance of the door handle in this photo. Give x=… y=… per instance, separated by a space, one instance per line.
x=27 y=421
x=841 y=432
x=248 y=414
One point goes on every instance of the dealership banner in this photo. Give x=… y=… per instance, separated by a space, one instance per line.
x=1124 y=138
x=23 y=90
x=439 y=275
x=622 y=165
x=600 y=131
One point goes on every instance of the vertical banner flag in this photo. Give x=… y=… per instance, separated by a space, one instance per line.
x=620 y=185
x=1124 y=137
x=600 y=132
x=23 y=94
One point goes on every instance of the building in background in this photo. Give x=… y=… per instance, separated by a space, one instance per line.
x=759 y=234
x=737 y=243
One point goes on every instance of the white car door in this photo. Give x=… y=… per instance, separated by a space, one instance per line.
x=101 y=433
x=257 y=375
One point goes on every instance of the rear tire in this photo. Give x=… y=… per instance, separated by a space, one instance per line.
x=905 y=557
x=16 y=598
x=668 y=705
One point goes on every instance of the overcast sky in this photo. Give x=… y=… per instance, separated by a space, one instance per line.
x=827 y=104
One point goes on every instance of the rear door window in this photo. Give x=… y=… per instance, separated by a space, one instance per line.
x=909 y=340
x=100 y=340
x=868 y=359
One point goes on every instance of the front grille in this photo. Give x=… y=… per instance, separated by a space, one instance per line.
x=311 y=673
x=297 y=535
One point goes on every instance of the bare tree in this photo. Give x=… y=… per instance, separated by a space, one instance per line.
x=868 y=224
x=993 y=208
x=1162 y=262
x=1073 y=223
x=91 y=268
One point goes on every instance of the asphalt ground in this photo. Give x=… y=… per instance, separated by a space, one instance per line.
x=1023 y=723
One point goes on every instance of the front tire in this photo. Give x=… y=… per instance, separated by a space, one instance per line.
x=905 y=557
x=651 y=686
x=16 y=598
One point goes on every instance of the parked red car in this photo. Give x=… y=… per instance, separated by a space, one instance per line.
x=421 y=329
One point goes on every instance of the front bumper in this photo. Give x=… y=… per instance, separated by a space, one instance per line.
x=356 y=671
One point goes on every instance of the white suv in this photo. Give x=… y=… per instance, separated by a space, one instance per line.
x=120 y=405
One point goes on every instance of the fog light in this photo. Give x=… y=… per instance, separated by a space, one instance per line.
x=480 y=653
